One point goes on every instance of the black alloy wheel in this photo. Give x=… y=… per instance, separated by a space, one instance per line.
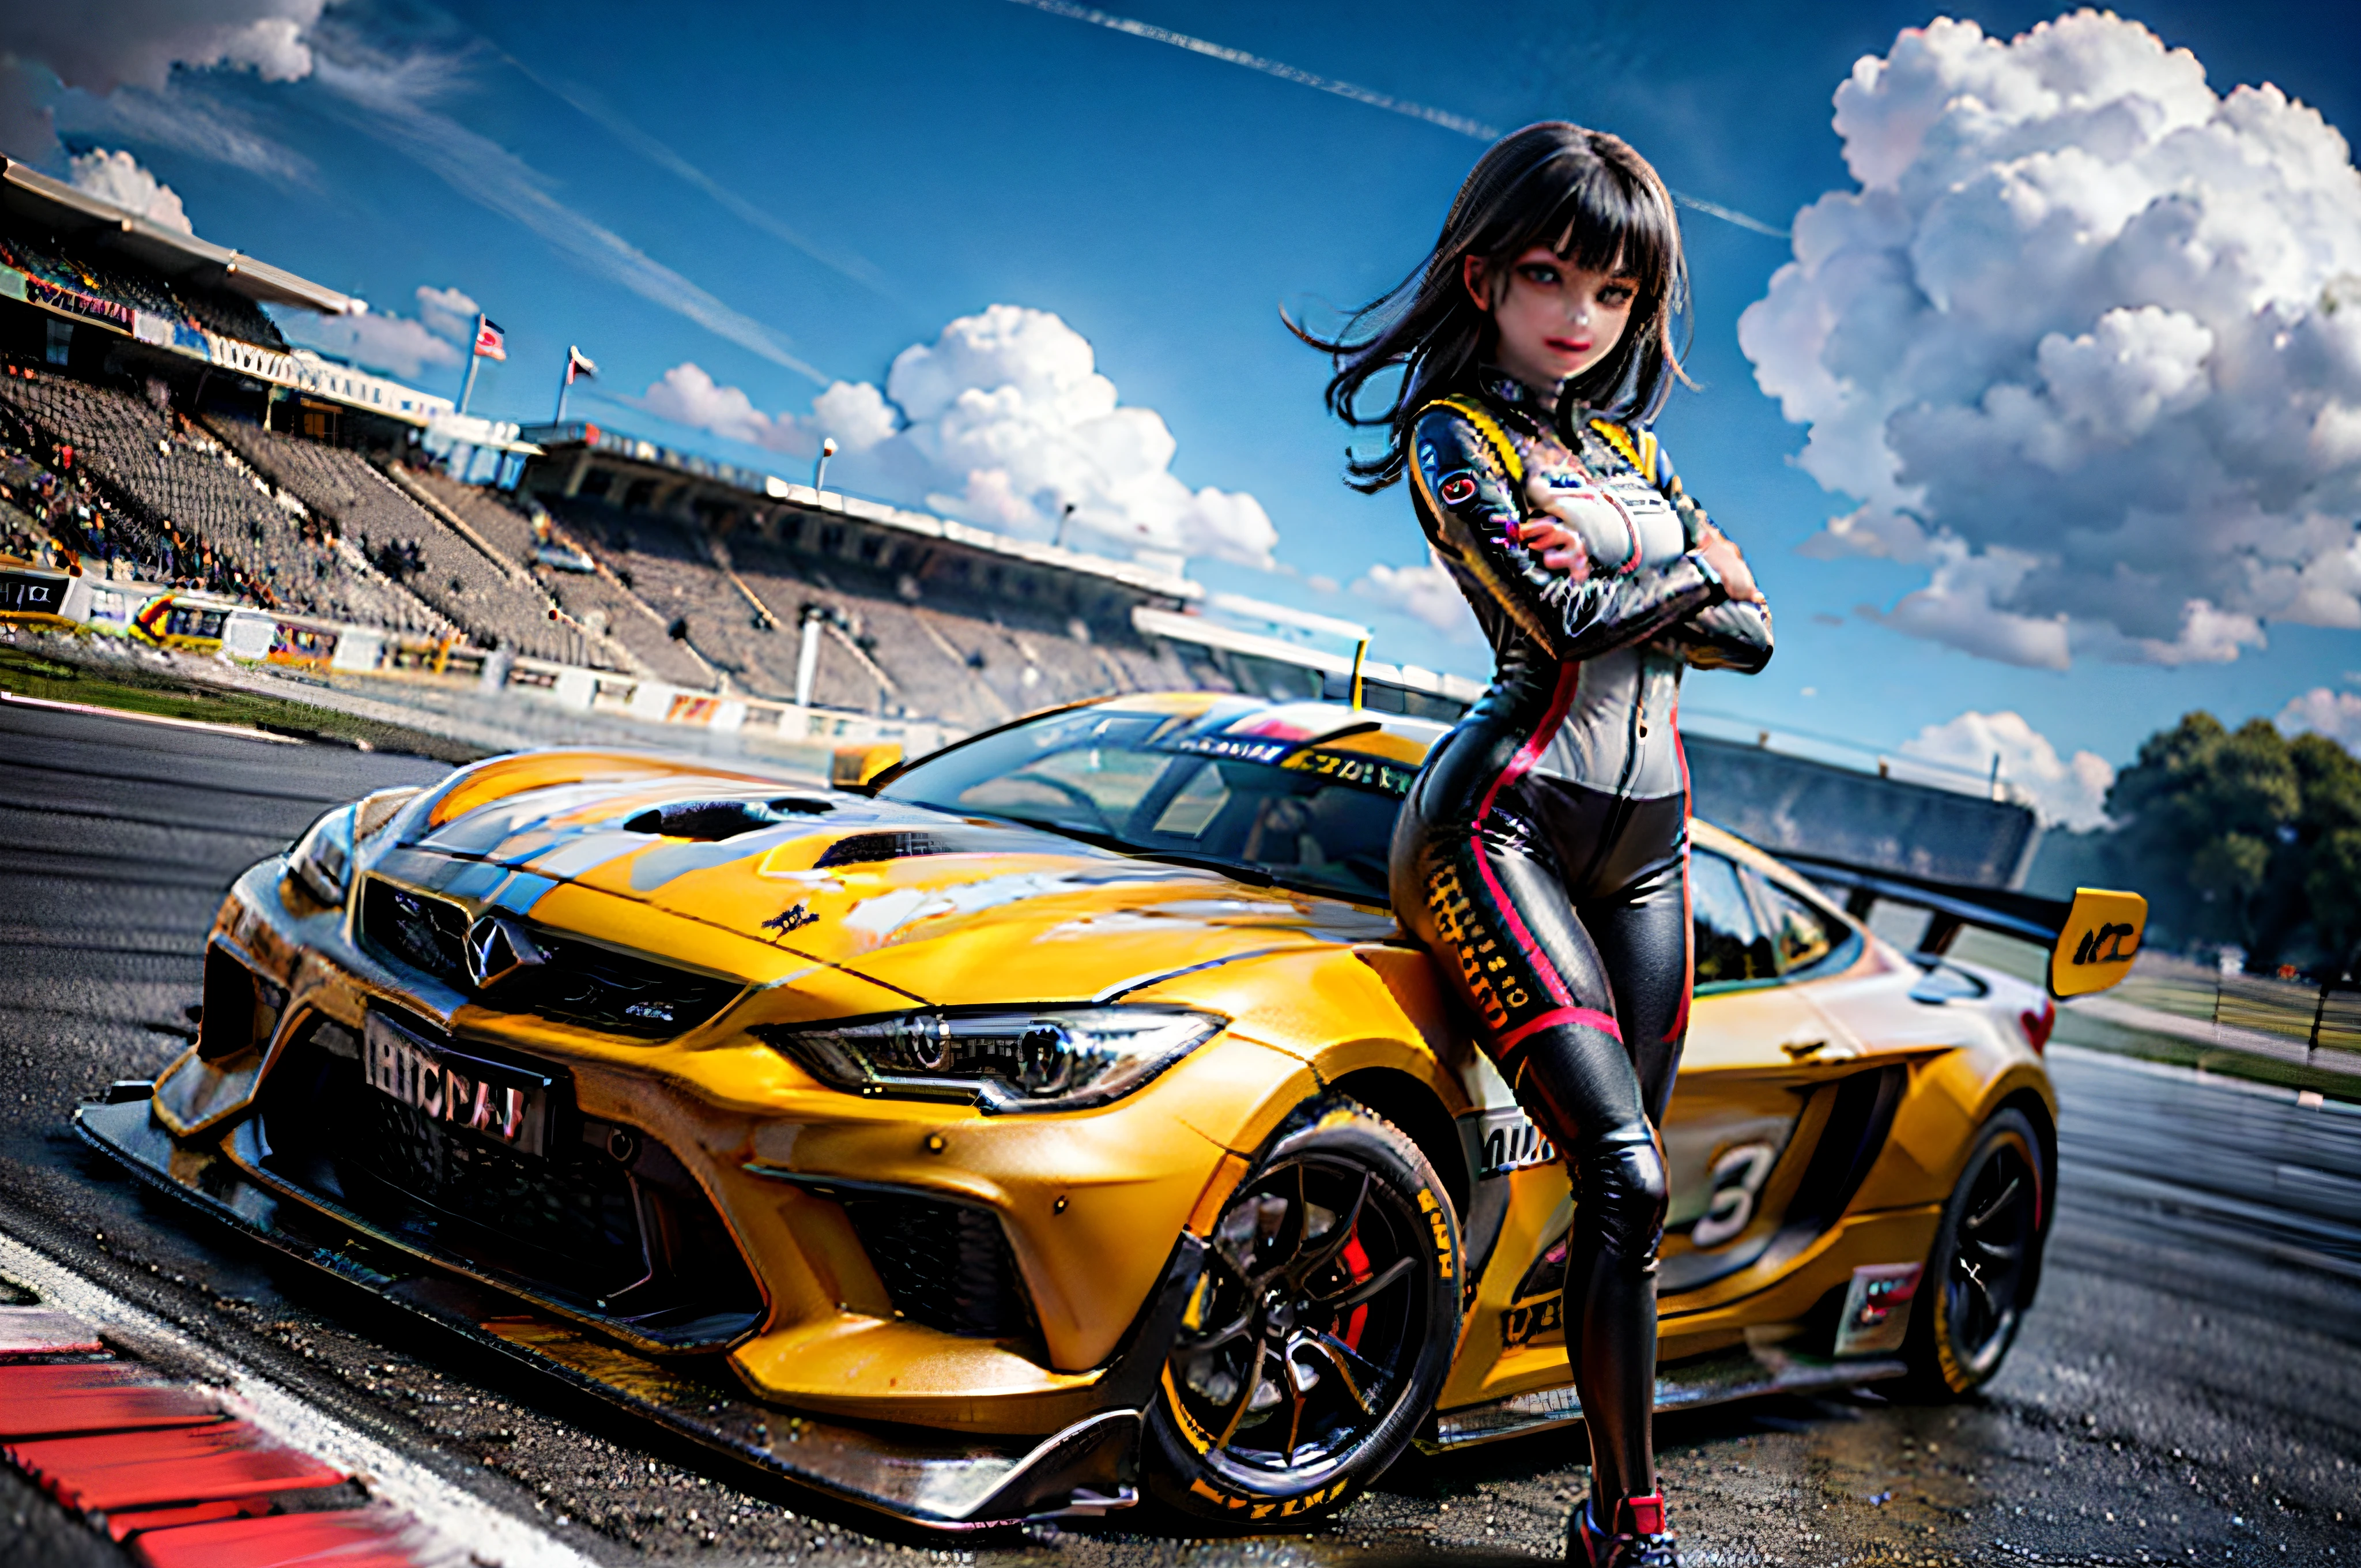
x=1318 y=1334
x=1980 y=1277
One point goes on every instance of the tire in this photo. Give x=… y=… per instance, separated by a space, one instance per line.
x=1349 y=1320
x=1986 y=1261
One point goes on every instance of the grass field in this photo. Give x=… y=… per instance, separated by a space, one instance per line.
x=2163 y=987
x=125 y=679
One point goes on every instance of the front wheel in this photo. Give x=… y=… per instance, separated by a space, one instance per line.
x=1318 y=1334
x=1987 y=1258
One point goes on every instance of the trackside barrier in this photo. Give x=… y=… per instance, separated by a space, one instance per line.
x=33 y=595
x=195 y=623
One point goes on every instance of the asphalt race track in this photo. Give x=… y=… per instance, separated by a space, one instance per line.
x=2187 y=1389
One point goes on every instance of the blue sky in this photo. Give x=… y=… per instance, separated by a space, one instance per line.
x=936 y=157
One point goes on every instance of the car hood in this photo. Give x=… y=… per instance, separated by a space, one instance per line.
x=949 y=910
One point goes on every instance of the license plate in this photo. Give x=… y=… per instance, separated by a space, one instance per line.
x=506 y=1104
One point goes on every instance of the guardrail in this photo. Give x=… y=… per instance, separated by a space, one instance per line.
x=195 y=623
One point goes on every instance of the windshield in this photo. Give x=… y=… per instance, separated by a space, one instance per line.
x=1303 y=815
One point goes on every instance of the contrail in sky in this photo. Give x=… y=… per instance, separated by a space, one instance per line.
x=1374 y=99
x=391 y=106
x=583 y=101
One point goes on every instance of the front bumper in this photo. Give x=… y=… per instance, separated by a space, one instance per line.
x=930 y=1479
x=1084 y=1207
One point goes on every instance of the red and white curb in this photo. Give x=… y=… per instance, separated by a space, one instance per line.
x=235 y=1471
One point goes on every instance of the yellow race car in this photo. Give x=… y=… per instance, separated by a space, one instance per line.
x=1063 y=1117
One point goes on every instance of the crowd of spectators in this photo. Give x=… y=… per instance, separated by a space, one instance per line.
x=497 y=604
x=891 y=643
x=86 y=271
x=602 y=604
x=117 y=475
x=171 y=500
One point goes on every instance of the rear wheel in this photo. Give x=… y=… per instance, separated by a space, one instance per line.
x=1987 y=1258
x=1318 y=1334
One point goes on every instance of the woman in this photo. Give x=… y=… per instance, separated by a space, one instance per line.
x=1543 y=853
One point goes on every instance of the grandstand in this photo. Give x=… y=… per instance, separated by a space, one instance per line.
x=175 y=505
x=602 y=605
x=489 y=597
x=911 y=614
x=155 y=426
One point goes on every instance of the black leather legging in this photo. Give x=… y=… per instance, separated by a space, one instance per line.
x=1563 y=916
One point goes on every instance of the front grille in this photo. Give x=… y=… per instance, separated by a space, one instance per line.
x=577 y=982
x=575 y=1205
x=945 y=1265
x=424 y=933
x=598 y=988
x=607 y=1223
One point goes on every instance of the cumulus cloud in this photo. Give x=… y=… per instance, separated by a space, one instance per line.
x=2067 y=792
x=855 y=413
x=448 y=311
x=395 y=344
x=375 y=340
x=101 y=45
x=1004 y=420
x=2084 y=342
x=118 y=176
x=2335 y=714
x=1424 y=592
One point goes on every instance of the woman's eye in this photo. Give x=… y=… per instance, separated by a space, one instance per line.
x=1538 y=273
x=1616 y=294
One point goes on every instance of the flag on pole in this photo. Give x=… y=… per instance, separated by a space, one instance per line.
x=579 y=363
x=491 y=342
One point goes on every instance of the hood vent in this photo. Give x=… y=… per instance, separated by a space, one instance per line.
x=712 y=820
x=859 y=848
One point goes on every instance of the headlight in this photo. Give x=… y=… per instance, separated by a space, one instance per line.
x=322 y=859
x=1053 y=1059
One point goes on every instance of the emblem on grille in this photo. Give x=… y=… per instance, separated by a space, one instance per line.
x=497 y=949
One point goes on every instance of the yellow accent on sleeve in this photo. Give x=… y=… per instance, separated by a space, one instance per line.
x=1502 y=447
x=1620 y=439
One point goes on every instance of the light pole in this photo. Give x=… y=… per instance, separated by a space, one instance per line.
x=1058 y=540
x=819 y=471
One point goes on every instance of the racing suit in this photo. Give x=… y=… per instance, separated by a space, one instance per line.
x=1543 y=853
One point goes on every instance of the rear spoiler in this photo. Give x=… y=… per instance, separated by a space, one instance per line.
x=2091 y=938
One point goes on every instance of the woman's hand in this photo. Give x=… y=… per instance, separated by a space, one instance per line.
x=1561 y=548
x=1729 y=564
x=1549 y=527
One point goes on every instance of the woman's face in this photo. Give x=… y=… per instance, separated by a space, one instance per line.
x=1556 y=318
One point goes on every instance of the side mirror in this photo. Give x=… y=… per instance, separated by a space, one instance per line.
x=860 y=767
x=2100 y=938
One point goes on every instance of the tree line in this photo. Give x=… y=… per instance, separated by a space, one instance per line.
x=2242 y=837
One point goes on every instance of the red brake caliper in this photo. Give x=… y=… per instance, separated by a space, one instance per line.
x=1356 y=1265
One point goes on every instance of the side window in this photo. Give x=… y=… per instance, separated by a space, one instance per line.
x=1192 y=809
x=1730 y=947
x=1803 y=935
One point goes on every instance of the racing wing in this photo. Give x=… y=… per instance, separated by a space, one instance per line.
x=2091 y=938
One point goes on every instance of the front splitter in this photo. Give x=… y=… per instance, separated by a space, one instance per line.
x=921 y=1477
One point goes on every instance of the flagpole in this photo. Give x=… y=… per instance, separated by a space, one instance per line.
x=474 y=359
x=564 y=385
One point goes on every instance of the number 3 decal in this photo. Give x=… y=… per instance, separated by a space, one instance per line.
x=1738 y=1178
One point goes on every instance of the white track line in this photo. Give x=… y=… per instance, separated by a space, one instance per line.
x=496 y=1538
x=242 y=732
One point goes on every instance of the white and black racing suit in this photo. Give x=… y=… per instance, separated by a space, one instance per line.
x=1542 y=852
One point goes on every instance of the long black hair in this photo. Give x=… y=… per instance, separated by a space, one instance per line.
x=1588 y=196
